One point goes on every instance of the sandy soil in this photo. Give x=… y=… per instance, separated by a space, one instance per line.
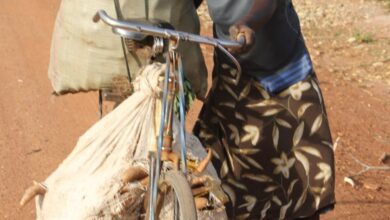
x=37 y=131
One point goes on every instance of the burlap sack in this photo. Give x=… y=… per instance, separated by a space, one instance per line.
x=88 y=56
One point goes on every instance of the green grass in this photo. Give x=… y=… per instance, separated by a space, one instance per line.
x=364 y=37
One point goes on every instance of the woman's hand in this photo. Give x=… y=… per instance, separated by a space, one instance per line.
x=242 y=33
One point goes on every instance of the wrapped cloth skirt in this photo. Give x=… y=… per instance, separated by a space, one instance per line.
x=274 y=153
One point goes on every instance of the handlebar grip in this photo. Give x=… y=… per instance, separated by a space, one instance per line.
x=96 y=17
x=241 y=39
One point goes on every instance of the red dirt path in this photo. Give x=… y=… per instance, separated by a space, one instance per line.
x=38 y=131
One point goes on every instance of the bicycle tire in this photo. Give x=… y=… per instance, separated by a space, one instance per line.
x=182 y=192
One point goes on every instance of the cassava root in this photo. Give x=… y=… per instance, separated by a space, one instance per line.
x=201 y=203
x=32 y=191
x=133 y=174
x=203 y=164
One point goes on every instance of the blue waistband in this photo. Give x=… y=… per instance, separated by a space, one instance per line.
x=295 y=71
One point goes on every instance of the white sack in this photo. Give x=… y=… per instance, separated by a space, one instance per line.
x=86 y=184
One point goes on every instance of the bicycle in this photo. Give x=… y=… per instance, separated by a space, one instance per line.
x=184 y=206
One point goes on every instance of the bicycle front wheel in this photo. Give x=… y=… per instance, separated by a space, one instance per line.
x=175 y=198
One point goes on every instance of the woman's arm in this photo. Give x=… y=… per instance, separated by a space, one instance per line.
x=259 y=15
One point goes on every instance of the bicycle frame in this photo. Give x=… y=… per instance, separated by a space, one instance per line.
x=173 y=77
x=172 y=85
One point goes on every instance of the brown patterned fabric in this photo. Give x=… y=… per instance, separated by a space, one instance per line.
x=273 y=153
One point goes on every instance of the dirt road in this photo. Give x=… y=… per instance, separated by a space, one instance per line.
x=350 y=44
x=36 y=130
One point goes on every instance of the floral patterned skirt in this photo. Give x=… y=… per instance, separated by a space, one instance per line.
x=273 y=152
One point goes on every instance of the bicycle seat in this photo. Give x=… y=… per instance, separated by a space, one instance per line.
x=139 y=36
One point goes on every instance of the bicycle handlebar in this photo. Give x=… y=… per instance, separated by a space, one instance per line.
x=164 y=33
